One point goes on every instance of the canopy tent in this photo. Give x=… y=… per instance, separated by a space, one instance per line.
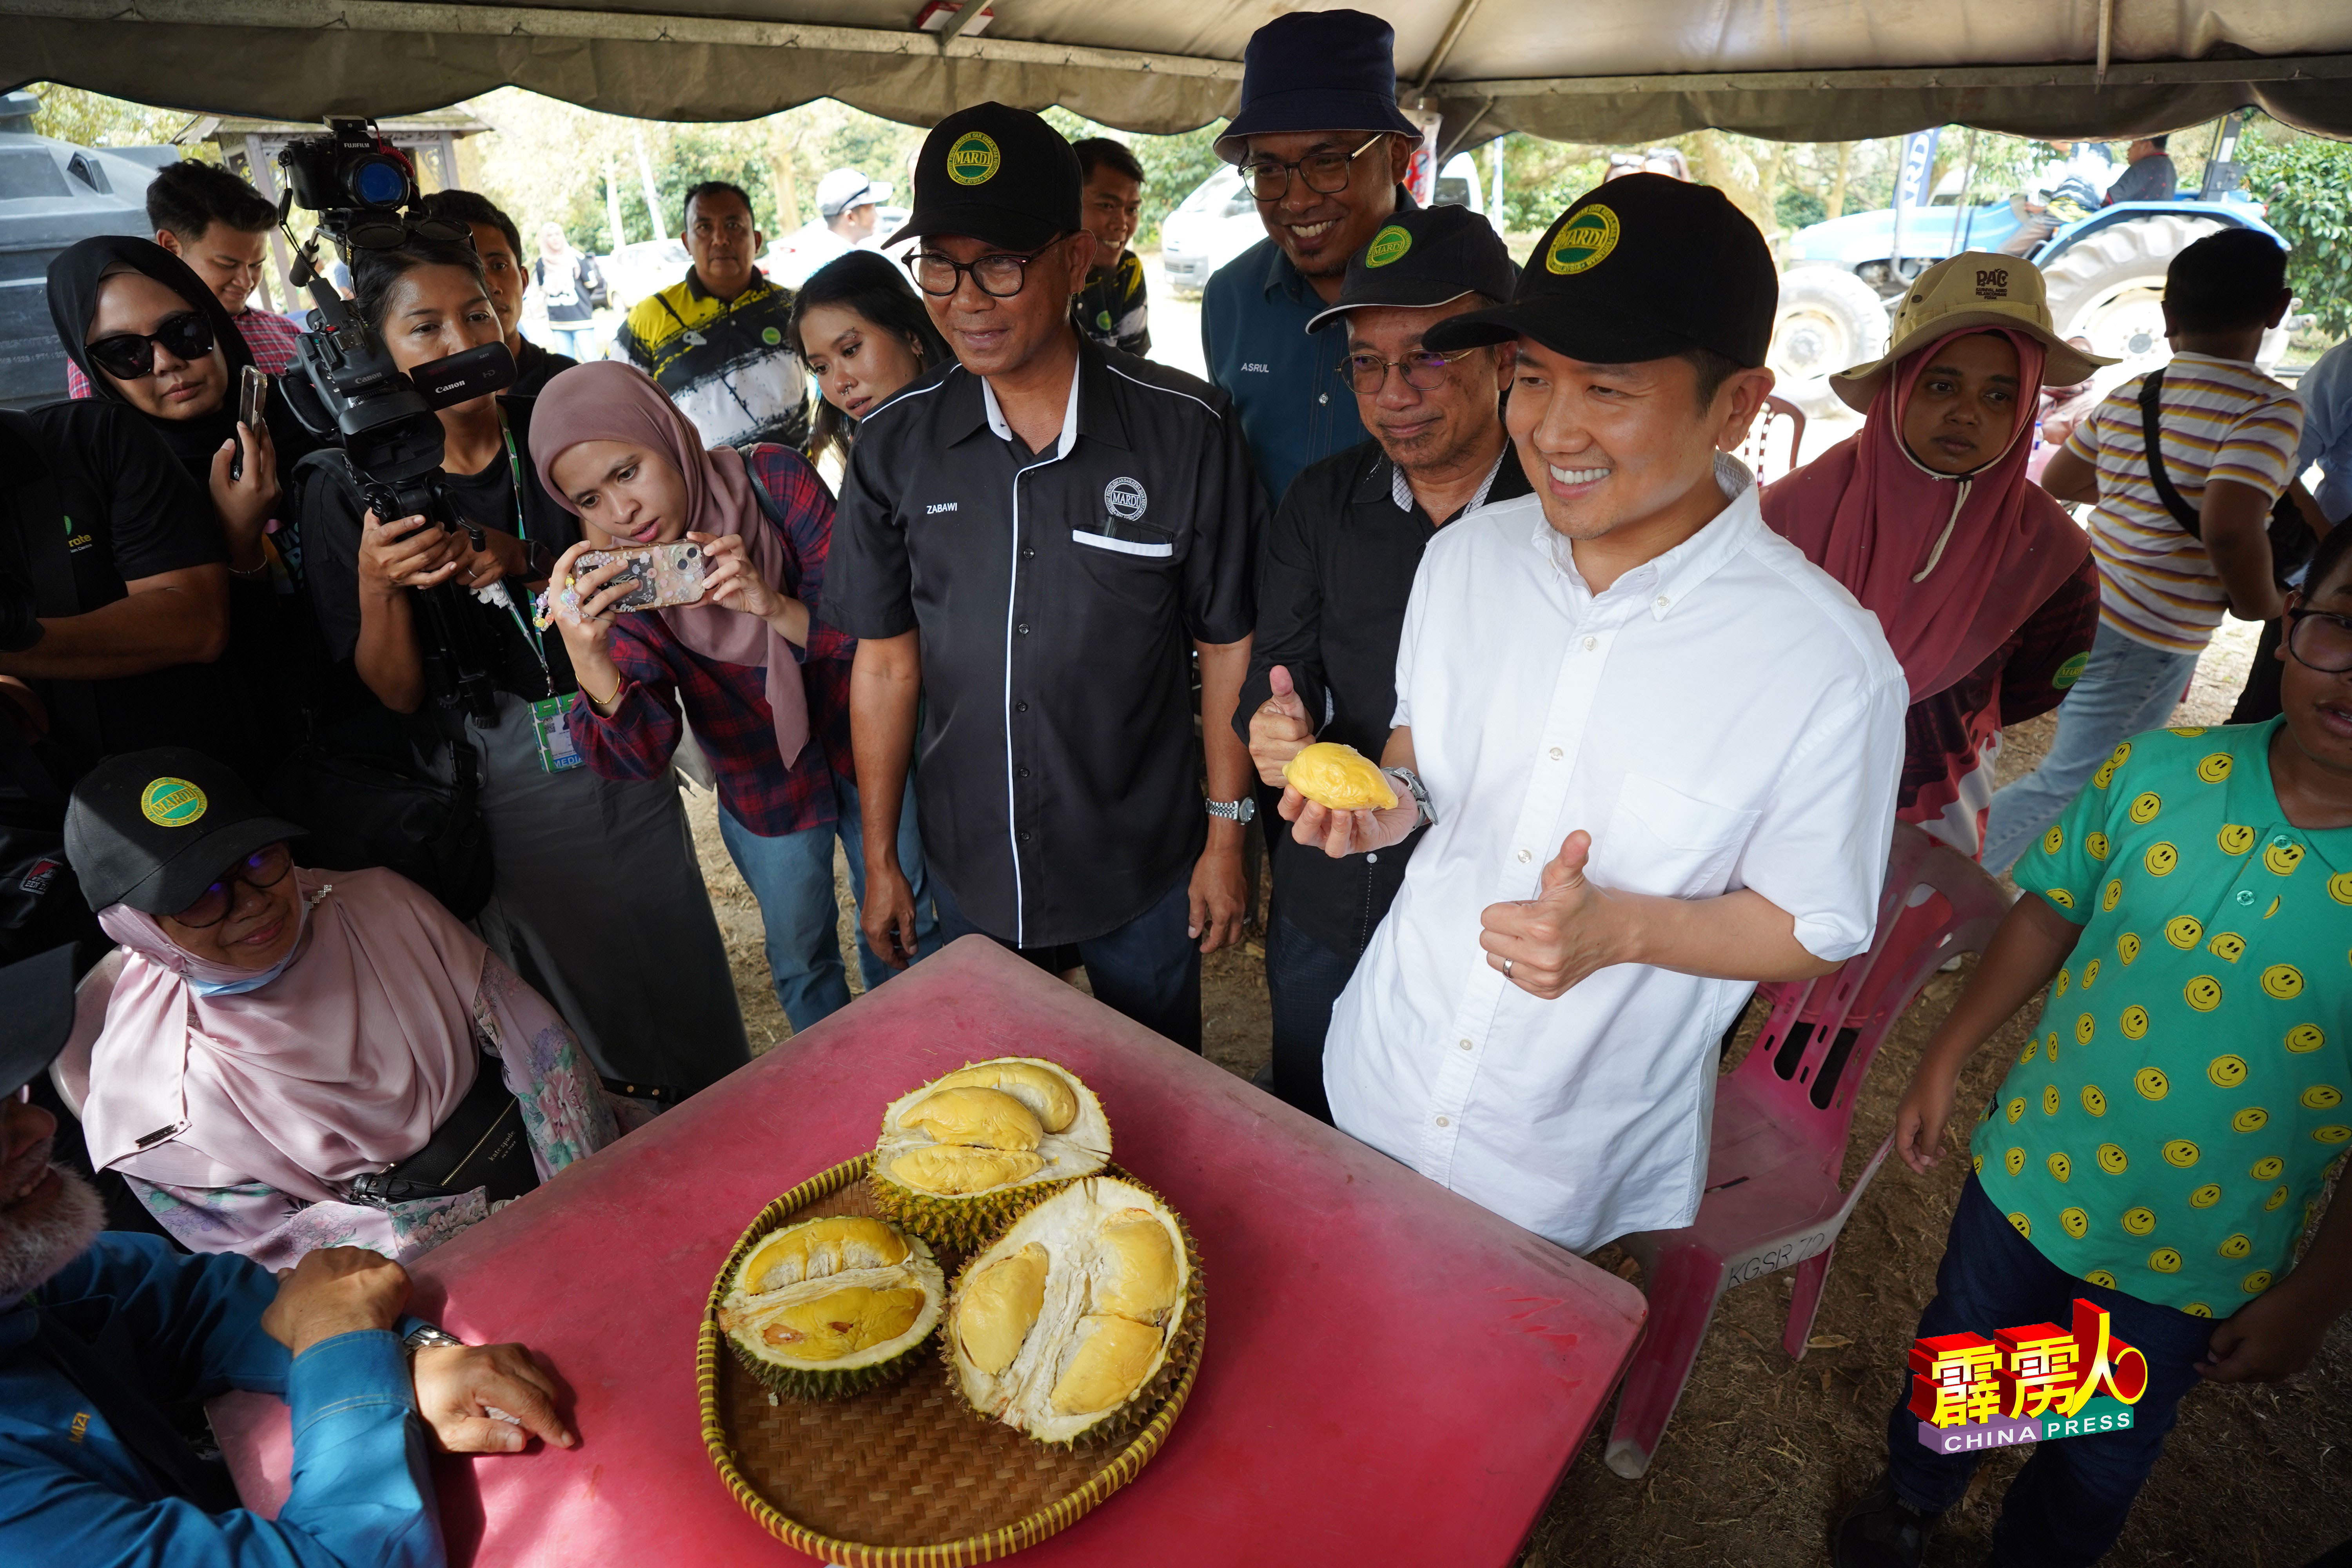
x=1595 y=71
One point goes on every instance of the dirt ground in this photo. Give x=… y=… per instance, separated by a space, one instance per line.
x=1763 y=1453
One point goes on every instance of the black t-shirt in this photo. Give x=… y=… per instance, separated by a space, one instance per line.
x=116 y=506
x=535 y=367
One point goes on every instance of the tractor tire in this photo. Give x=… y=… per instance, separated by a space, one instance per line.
x=2109 y=285
x=1828 y=321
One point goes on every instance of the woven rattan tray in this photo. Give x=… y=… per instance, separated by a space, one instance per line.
x=904 y=1476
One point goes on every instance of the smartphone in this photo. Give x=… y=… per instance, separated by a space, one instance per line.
x=661 y=574
x=252 y=391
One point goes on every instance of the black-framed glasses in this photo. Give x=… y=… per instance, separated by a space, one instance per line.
x=265 y=867
x=1326 y=173
x=999 y=275
x=128 y=356
x=1422 y=370
x=2320 y=639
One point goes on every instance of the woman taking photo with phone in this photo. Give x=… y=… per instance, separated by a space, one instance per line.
x=864 y=333
x=739 y=654
x=596 y=900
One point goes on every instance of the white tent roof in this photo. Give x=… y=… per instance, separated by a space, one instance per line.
x=1601 y=70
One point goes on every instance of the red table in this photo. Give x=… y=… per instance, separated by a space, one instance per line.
x=1391 y=1375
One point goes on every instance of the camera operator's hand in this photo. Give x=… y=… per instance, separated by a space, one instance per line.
x=502 y=555
x=587 y=631
x=730 y=579
x=245 y=504
x=408 y=553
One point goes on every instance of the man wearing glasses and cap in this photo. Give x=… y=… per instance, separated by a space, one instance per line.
x=1338 y=567
x=1029 y=546
x=106 y=1336
x=1323 y=150
x=1659 y=746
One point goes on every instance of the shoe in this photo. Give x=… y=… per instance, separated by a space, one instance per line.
x=1882 y=1531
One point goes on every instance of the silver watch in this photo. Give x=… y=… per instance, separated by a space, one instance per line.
x=425 y=1336
x=1242 y=810
x=1418 y=790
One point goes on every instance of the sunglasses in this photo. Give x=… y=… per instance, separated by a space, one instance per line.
x=128 y=356
x=265 y=867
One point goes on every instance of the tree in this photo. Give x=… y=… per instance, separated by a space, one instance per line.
x=2306 y=184
x=94 y=119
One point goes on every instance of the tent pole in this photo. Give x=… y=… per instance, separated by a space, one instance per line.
x=1968 y=182
x=1445 y=45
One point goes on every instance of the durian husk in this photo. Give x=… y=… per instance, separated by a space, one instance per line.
x=1183 y=1342
x=809 y=1380
x=959 y=1223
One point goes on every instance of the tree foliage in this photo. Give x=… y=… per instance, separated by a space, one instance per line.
x=1173 y=166
x=2306 y=184
x=94 y=119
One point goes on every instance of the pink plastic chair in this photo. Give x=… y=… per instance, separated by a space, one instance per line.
x=1778 y=1148
x=1773 y=440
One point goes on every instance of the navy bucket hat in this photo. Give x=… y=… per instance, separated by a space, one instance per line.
x=1317 y=70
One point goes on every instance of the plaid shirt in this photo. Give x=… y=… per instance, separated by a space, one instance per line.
x=727 y=703
x=271 y=338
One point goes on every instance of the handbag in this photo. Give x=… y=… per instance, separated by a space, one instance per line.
x=362 y=814
x=481 y=1143
x=2292 y=539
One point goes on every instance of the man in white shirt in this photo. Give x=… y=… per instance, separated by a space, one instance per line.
x=1660 y=749
x=847 y=216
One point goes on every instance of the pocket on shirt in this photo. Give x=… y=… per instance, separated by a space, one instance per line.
x=1662 y=841
x=1150 y=544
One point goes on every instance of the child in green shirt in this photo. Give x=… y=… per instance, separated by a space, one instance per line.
x=2160 y=1145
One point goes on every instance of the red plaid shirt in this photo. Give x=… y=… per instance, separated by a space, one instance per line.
x=271 y=339
x=727 y=703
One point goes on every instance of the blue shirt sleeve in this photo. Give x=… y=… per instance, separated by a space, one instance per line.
x=2326 y=392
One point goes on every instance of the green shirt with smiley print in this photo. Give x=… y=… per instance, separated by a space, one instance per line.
x=2167 y=1129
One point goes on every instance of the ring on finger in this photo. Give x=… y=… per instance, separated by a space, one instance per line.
x=1507 y=969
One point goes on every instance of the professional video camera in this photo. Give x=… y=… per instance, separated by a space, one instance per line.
x=349 y=391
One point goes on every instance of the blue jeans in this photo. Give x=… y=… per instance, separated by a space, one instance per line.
x=2068 y=1504
x=577 y=339
x=1303 y=980
x=2128 y=687
x=791 y=876
x=1148 y=969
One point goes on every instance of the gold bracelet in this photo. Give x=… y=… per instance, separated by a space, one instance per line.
x=601 y=703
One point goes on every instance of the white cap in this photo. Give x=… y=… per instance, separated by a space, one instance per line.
x=846 y=188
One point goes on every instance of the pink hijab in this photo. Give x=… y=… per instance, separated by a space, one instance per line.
x=343 y=1063
x=1951 y=565
x=609 y=400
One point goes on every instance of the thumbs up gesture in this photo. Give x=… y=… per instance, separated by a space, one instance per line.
x=1545 y=945
x=1279 y=730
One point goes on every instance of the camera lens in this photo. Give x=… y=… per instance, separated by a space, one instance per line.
x=379 y=183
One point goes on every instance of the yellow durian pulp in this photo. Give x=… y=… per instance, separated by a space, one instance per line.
x=845 y=1322
x=1000 y=1307
x=833 y=1245
x=1112 y=1363
x=1142 y=1281
x=947 y=1168
x=1043 y=1090
x=976 y=1117
x=1338 y=777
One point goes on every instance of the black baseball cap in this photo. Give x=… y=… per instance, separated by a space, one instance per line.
x=153 y=829
x=1000 y=175
x=37 y=999
x=1644 y=267
x=1425 y=256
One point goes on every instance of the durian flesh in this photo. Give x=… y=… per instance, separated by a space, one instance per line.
x=1062 y=1327
x=1338 y=777
x=828 y=1307
x=962 y=1154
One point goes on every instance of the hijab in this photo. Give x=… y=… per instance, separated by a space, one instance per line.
x=611 y=401
x=341 y=1061
x=1951 y=565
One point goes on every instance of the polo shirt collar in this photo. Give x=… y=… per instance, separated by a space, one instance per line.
x=1089 y=410
x=1400 y=488
x=695 y=291
x=1671 y=577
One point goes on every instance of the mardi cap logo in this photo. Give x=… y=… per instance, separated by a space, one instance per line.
x=1389 y=244
x=973 y=160
x=1584 y=241
x=171 y=803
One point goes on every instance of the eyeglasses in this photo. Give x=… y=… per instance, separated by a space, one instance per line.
x=1000 y=275
x=263 y=867
x=128 y=356
x=1422 y=370
x=2320 y=639
x=1326 y=173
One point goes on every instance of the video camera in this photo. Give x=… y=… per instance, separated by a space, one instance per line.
x=349 y=391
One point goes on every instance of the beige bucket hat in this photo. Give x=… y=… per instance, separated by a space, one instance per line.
x=1975 y=289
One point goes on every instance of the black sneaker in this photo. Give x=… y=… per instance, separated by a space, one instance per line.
x=1882 y=1531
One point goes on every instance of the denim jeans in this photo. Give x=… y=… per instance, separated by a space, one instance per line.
x=791 y=876
x=577 y=339
x=2068 y=1504
x=2128 y=687
x=1148 y=969
x=1303 y=980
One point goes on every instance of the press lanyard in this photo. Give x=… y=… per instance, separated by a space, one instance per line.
x=522 y=532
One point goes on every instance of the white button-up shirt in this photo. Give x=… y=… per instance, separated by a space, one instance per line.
x=1724 y=716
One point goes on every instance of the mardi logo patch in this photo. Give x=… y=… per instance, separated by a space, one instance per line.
x=2070 y=671
x=1387 y=245
x=1124 y=498
x=1584 y=241
x=771 y=336
x=974 y=158
x=168 y=802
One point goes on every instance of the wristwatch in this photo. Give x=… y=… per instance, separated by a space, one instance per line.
x=1242 y=810
x=425 y=1336
x=1418 y=790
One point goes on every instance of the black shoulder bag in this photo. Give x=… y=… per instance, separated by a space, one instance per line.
x=2292 y=540
x=481 y=1143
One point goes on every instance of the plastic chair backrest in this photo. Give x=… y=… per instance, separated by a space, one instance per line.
x=70 y=1070
x=1774 y=439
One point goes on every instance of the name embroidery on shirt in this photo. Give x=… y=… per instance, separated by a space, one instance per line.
x=80 y=1427
x=1261 y=369
x=940 y=505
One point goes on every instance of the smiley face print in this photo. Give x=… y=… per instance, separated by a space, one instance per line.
x=2322 y=1097
x=2144 y=806
x=2204 y=994
x=2160 y=859
x=2095 y=844
x=2164 y=1260
x=2127 y=947
x=2134 y=1022
x=2235 y=839
x=2226 y=1072
x=2180 y=1152
x=2268 y=1167
x=2183 y=930
x=2074 y=1223
x=2228 y=947
x=2284 y=980
x=2215 y=768
x=2112 y=1160
x=2206 y=1196
x=2304 y=1038
x=2151 y=1083
x=2281 y=858
x=2095 y=1101
x=2252 y=1119
x=2060 y=1166
x=2013 y=1161
x=2140 y=1222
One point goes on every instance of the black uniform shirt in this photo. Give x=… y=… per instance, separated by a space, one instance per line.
x=1057 y=775
x=1338 y=568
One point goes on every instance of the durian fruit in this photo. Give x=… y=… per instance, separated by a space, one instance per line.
x=1338 y=777
x=966 y=1152
x=828 y=1307
x=1071 y=1326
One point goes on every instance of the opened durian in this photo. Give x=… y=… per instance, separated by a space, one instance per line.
x=828 y=1307
x=1340 y=777
x=964 y=1153
x=1068 y=1326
